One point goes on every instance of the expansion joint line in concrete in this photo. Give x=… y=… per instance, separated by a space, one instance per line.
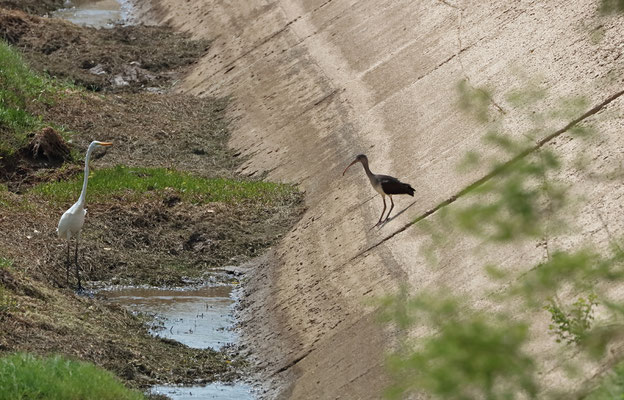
x=495 y=172
x=292 y=363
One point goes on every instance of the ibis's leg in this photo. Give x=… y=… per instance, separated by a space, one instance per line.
x=76 y=260
x=67 y=262
x=383 y=211
x=391 y=207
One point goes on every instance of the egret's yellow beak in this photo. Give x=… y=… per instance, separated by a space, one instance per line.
x=106 y=143
x=354 y=161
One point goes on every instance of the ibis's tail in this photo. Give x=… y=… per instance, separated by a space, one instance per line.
x=409 y=189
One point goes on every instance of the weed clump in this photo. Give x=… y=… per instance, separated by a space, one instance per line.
x=50 y=144
x=571 y=326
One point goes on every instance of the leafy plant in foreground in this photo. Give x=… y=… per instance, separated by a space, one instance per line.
x=469 y=355
x=520 y=197
x=572 y=326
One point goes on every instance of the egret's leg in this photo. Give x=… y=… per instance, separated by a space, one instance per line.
x=391 y=207
x=67 y=262
x=76 y=260
x=382 y=211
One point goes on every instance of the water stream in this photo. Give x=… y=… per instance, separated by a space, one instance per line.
x=199 y=317
x=218 y=391
x=95 y=13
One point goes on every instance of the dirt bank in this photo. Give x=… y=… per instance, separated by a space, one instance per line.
x=38 y=7
x=158 y=238
x=315 y=83
x=131 y=58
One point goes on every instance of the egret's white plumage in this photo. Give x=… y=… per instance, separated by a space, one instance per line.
x=72 y=220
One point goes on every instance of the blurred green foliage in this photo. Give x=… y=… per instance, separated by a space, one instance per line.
x=475 y=101
x=470 y=354
x=581 y=269
x=611 y=6
x=518 y=193
x=612 y=388
x=518 y=197
x=463 y=353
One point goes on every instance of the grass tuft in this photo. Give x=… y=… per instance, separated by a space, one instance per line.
x=24 y=376
x=19 y=87
x=5 y=263
x=136 y=183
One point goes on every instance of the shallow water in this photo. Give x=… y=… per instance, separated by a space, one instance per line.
x=219 y=391
x=199 y=318
x=94 y=13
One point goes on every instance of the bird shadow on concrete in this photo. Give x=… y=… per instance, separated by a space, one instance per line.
x=384 y=222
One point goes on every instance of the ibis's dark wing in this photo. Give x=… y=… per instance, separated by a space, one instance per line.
x=391 y=185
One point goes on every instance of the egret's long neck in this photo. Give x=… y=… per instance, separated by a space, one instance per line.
x=368 y=171
x=83 y=194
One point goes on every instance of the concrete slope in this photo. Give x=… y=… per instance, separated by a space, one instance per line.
x=315 y=82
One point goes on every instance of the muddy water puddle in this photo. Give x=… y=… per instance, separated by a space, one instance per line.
x=199 y=317
x=95 y=13
x=213 y=391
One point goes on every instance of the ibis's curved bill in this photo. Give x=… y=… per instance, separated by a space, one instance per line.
x=354 y=161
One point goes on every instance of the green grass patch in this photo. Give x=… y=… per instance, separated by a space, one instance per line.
x=5 y=263
x=19 y=88
x=8 y=303
x=24 y=376
x=136 y=183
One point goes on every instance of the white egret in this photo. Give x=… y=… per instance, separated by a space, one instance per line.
x=72 y=220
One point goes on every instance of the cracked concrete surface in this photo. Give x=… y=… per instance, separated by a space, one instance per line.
x=315 y=82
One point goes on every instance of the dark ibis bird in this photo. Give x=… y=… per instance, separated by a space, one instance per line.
x=385 y=185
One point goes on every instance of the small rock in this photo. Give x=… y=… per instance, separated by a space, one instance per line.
x=98 y=70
